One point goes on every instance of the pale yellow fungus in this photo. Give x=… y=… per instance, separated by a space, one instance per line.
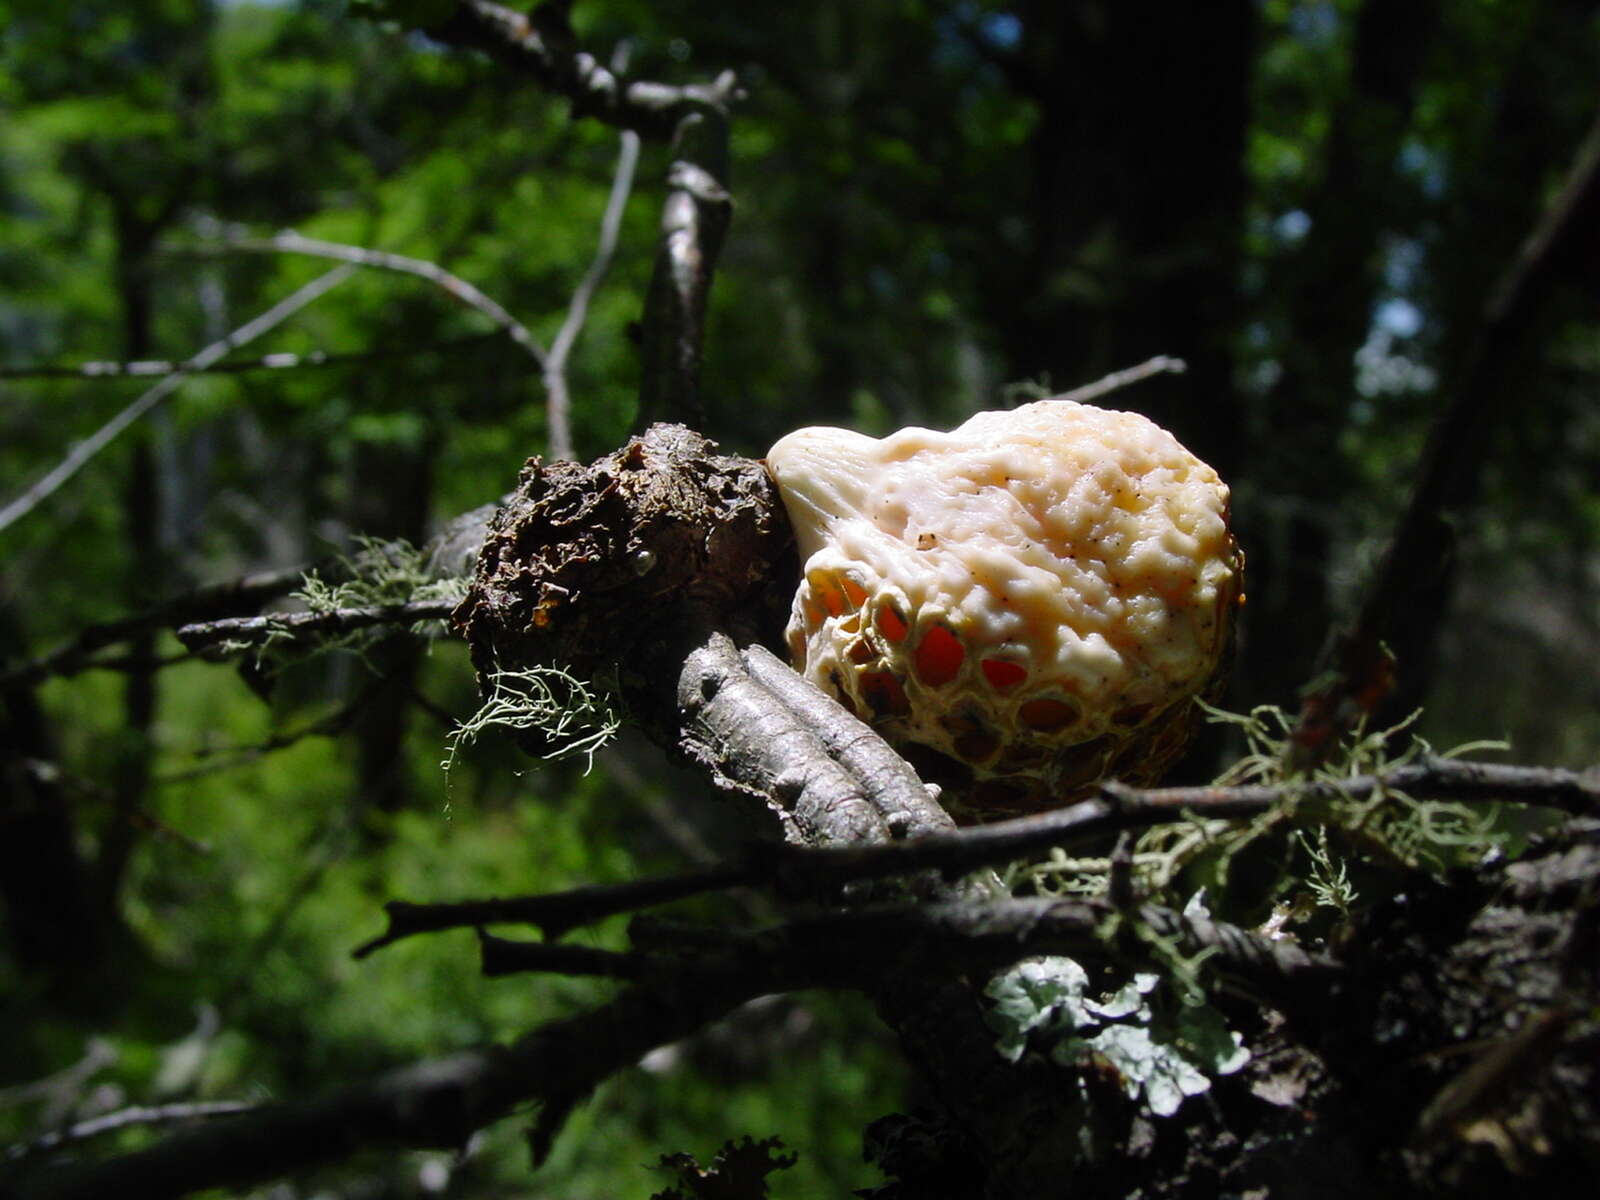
x=1036 y=594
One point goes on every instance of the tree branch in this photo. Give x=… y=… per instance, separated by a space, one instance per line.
x=852 y=947
x=80 y=454
x=557 y=402
x=255 y=631
x=290 y=242
x=811 y=871
x=1422 y=542
x=651 y=110
x=1161 y=364
x=73 y=655
x=267 y=362
x=435 y=1104
x=159 y=1114
x=440 y=1103
x=694 y=222
x=233 y=757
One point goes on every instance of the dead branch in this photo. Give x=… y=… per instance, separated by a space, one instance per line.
x=694 y=222
x=123 y=1118
x=847 y=948
x=143 y=369
x=436 y=1104
x=1357 y=663
x=239 y=632
x=551 y=57
x=1161 y=364
x=229 y=596
x=440 y=1103
x=85 y=450
x=233 y=757
x=290 y=242
x=806 y=871
x=557 y=402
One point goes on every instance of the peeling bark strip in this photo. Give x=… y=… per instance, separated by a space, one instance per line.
x=757 y=727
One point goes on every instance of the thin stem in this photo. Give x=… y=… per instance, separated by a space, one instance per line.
x=85 y=450
x=1161 y=364
x=245 y=592
x=822 y=870
x=253 y=630
x=159 y=1114
x=558 y=403
x=290 y=242
x=152 y=368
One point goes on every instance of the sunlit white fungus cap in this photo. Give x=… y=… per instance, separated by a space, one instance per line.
x=1036 y=594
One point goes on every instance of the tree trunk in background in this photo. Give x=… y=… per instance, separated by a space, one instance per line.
x=1328 y=290
x=1531 y=139
x=147 y=577
x=1135 y=236
x=51 y=920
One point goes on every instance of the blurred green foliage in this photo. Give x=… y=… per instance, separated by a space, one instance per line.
x=934 y=198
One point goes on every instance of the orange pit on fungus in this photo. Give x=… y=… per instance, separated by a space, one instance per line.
x=1036 y=595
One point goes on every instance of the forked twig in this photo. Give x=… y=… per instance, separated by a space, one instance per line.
x=85 y=450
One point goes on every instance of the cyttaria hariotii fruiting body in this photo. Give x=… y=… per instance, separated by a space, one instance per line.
x=1036 y=595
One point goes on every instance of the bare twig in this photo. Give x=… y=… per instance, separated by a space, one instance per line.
x=558 y=912
x=159 y=1114
x=290 y=242
x=65 y=1084
x=102 y=437
x=650 y=109
x=1161 y=364
x=557 y=401
x=73 y=655
x=130 y=663
x=251 y=631
x=267 y=362
x=804 y=870
x=1357 y=663
x=240 y=756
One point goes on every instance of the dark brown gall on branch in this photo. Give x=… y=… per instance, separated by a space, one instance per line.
x=617 y=562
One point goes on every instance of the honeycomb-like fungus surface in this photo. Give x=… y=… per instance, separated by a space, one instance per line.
x=1036 y=594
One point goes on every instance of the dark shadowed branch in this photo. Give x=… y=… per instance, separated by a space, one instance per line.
x=1358 y=668
x=239 y=632
x=226 y=597
x=233 y=757
x=123 y=1118
x=440 y=1103
x=154 y=368
x=809 y=871
x=80 y=454
x=551 y=57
